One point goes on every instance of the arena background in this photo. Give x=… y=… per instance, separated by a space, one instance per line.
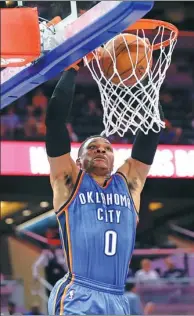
x=166 y=228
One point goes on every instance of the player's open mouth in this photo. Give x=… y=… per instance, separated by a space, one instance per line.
x=100 y=158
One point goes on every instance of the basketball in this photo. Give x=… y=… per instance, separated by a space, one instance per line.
x=126 y=53
x=83 y=104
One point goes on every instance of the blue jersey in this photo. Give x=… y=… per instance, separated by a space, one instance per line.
x=97 y=228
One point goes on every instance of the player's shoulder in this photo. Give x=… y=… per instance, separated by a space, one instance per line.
x=119 y=176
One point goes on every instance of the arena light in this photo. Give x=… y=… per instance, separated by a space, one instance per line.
x=30 y=159
x=44 y=204
x=154 y=206
x=11 y=207
x=9 y=221
x=10 y=3
x=26 y=212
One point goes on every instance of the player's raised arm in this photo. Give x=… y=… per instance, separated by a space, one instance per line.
x=57 y=138
x=137 y=167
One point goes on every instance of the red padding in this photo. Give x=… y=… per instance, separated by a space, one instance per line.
x=20 y=36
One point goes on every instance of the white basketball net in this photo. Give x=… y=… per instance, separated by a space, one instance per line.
x=134 y=107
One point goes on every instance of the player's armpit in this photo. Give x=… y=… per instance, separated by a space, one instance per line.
x=61 y=191
x=63 y=176
x=63 y=166
x=136 y=173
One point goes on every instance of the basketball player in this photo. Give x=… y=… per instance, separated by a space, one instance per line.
x=97 y=211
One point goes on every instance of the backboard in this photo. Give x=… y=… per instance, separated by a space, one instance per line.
x=74 y=39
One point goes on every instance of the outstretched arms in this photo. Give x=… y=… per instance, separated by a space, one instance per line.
x=62 y=166
x=137 y=167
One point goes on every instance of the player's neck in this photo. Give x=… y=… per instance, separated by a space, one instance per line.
x=101 y=180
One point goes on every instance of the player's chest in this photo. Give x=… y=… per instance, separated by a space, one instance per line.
x=102 y=207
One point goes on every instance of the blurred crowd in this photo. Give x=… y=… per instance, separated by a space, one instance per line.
x=24 y=120
x=148 y=276
x=13 y=310
x=178 y=13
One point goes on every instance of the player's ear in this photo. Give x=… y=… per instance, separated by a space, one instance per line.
x=78 y=162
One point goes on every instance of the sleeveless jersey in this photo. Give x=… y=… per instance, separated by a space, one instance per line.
x=97 y=229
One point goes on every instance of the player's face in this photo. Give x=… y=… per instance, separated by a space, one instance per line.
x=97 y=156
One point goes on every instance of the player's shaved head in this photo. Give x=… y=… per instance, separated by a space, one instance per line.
x=96 y=155
x=88 y=141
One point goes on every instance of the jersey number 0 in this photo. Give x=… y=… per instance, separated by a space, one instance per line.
x=110 y=246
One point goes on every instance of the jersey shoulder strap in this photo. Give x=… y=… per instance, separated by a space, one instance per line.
x=73 y=193
x=126 y=182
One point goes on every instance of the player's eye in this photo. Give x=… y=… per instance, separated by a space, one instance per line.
x=91 y=147
x=108 y=148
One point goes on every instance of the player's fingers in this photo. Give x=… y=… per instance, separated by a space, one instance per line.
x=99 y=51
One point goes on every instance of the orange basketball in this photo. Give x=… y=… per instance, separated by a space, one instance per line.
x=140 y=61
